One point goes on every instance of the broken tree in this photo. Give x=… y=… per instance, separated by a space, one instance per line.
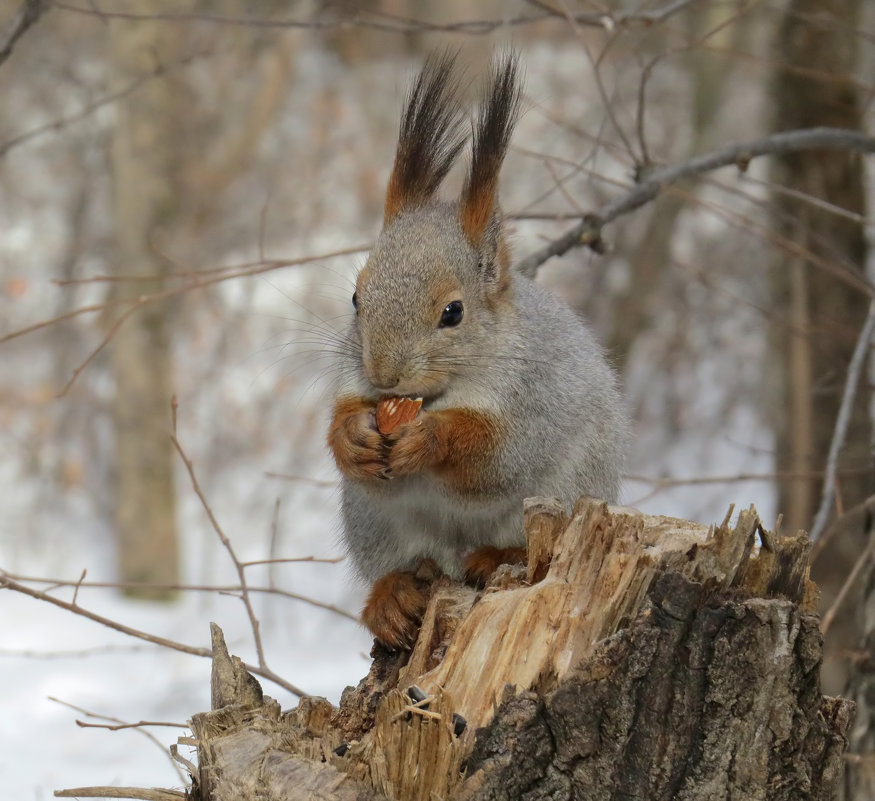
x=634 y=657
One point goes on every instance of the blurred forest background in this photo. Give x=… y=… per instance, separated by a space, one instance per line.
x=186 y=190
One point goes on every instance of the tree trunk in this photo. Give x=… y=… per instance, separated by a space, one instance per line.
x=818 y=297
x=634 y=657
x=859 y=606
x=142 y=156
x=818 y=276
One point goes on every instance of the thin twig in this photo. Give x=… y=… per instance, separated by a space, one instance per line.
x=195 y=282
x=151 y=794
x=264 y=670
x=607 y=104
x=773 y=187
x=71 y=653
x=397 y=24
x=113 y=330
x=89 y=108
x=78 y=585
x=313 y=560
x=226 y=542
x=837 y=268
x=143 y=300
x=121 y=724
x=780 y=475
x=10 y=584
x=316 y=482
x=27 y=15
x=849 y=582
x=589 y=230
x=218 y=588
x=207 y=273
x=855 y=370
x=647 y=70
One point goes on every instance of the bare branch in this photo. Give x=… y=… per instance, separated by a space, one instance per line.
x=389 y=23
x=113 y=330
x=218 y=588
x=6 y=582
x=10 y=584
x=595 y=65
x=90 y=108
x=589 y=230
x=809 y=199
x=143 y=300
x=263 y=669
x=138 y=725
x=27 y=15
x=669 y=481
x=293 y=560
x=862 y=560
x=121 y=792
x=855 y=370
x=226 y=542
x=121 y=724
x=71 y=653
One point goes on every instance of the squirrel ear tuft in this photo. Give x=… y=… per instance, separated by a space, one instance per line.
x=430 y=136
x=491 y=136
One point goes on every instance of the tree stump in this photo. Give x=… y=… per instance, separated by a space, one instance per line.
x=634 y=657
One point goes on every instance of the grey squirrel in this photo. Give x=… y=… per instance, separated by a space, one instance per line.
x=517 y=397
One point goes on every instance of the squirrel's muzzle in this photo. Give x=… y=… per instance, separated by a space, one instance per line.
x=384 y=372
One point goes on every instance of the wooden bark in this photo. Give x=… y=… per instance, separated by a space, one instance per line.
x=635 y=657
x=819 y=275
x=144 y=146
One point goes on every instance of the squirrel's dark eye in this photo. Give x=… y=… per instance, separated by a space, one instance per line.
x=452 y=314
x=355 y=300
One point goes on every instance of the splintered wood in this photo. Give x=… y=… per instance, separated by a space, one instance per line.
x=413 y=749
x=685 y=638
x=602 y=564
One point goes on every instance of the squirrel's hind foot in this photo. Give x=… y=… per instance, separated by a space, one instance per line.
x=482 y=563
x=396 y=604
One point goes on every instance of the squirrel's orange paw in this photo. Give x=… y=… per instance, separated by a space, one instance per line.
x=482 y=563
x=358 y=447
x=413 y=446
x=396 y=605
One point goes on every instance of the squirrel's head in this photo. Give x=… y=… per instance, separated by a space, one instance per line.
x=439 y=272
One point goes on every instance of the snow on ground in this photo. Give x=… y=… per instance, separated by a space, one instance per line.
x=48 y=652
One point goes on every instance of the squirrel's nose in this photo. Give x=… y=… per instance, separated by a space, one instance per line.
x=384 y=385
x=382 y=374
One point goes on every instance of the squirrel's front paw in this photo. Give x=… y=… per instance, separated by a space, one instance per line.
x=395 y=607
x=413 y=446
x=357 y=446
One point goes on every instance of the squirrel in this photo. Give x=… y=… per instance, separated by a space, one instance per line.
x=517 y=397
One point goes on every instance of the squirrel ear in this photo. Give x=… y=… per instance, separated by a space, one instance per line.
x=491 y=137
x=429 y=139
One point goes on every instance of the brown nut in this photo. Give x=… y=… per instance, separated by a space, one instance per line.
x=394 y=412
